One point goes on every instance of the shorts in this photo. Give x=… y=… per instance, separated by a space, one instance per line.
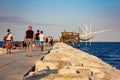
x=8 y=44
x=41 y=43
x=37 y=42
x=29 y=42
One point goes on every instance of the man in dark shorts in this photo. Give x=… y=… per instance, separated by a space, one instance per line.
x=41 y=40
x=29 y=40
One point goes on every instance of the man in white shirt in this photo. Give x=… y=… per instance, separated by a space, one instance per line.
x=41 y=40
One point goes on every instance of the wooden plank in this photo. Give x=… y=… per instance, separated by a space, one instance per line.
x=14 y=66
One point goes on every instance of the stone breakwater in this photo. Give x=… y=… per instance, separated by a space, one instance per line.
x=67 y=63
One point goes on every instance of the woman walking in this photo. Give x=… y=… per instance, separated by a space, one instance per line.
x=37 y=40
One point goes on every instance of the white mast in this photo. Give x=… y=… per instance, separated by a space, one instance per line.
x=90 y=34
x=86 y=33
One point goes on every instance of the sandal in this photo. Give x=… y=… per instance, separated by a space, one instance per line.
x=27 y=56
x=10 y=52
x=30 y=55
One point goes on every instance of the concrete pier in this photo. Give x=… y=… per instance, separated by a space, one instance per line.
x=14 y=66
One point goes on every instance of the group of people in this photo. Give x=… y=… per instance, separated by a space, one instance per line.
x=29 y=38
x=49 y=41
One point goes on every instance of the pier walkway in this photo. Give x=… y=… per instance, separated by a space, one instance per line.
x=14 y=66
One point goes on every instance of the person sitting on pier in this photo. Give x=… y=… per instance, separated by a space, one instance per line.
x=18 y=45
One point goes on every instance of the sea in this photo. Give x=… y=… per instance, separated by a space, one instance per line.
x=107 y=51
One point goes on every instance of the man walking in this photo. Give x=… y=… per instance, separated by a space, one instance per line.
x=41 y=40
x=37 y=40
x=8 y=38
x=29 y=40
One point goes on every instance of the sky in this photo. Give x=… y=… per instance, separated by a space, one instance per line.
x=56 y=16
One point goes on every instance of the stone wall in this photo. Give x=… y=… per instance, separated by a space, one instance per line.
x=67 y=63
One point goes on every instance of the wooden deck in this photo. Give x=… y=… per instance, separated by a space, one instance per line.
x=14 y=66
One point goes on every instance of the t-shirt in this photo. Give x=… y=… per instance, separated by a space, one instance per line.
x=37 y=36
x=9 y=36
x=41 y=37
x=29 y=34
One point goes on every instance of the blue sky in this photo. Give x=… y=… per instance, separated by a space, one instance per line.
x=55 y=16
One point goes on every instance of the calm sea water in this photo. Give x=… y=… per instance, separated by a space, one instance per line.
x=107 y=51
x=1 y=43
